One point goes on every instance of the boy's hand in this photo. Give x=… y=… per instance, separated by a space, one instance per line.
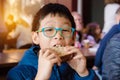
x=47 y=58
x=78 y=63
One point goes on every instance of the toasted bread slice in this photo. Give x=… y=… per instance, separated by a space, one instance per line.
x=62 y=53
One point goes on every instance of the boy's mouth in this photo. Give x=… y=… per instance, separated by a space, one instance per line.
x=58 y=45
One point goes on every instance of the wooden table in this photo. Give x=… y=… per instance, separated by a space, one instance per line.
x=11 y=57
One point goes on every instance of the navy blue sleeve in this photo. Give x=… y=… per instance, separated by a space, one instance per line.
x=22 y=72
x=65 y=72
x=99 y=54
x=111 y=59
x=91 y=76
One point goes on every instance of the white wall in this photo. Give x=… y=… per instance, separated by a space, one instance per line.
x=79 y=6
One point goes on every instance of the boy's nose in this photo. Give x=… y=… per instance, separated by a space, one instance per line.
x=58 y=35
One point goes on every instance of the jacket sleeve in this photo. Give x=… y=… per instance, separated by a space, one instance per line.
x=22 y=72
x=91 y=76
x=111 y=59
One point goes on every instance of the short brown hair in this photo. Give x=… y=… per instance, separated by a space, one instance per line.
x=52 y=8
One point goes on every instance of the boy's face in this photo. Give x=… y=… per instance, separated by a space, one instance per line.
x=49 y=23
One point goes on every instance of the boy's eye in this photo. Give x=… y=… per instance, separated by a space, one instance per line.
x=48 y=29
x=66 y=30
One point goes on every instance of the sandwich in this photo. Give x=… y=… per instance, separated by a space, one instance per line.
x=62 y=53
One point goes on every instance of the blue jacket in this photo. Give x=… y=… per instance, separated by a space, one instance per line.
x=27 y=69
x=111 y=59
x=104 y=42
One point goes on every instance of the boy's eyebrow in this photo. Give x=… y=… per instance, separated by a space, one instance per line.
x=49 y=22
x=65 y=23
x=68 y=23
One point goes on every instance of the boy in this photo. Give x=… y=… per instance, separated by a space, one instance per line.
x=53 y=26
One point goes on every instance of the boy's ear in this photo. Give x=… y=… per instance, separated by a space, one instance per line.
x=73 y=39
x=74 y=36
x=35 y=38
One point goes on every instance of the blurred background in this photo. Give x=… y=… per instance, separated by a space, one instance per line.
x=14 y=14
x=92 y=10
x=12 y=10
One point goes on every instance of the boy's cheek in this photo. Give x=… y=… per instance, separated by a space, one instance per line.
x=70 y=42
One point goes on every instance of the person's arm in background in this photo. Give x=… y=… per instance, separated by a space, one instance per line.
x=111 y=59
x=98 y=59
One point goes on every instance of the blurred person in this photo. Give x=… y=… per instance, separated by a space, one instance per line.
x=92 y=34
x=79 y=27
x=101 y=62
x=53 y=26
x=111 y=58
x=78 y=20
x=23 y=34
x=110 y=9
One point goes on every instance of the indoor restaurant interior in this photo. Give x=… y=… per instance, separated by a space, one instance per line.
x=21 y=12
